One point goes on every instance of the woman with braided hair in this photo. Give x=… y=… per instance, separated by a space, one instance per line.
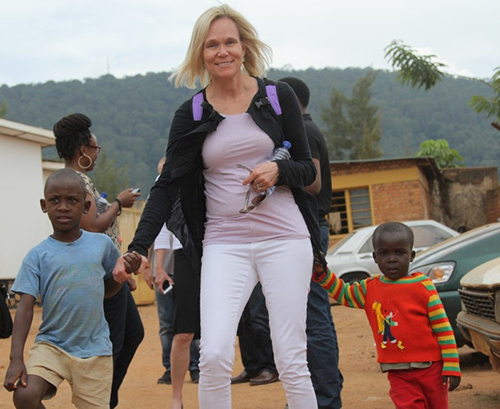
x=77 y=145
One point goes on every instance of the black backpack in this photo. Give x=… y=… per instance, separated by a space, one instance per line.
x=5 y=318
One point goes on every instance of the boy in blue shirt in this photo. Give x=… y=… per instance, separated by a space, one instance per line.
x=72 y=272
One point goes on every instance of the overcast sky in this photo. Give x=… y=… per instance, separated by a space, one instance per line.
x=44 y=40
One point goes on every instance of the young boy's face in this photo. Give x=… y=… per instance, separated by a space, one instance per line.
x=65 y=203
x=393 y=254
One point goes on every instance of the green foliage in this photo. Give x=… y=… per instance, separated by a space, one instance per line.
x=108 y=177
x=131 y=117
x=352 y=124
x=440 y=150
x=337 y=126
x=422 y=71
x=413 y=69
x=3 y=110
x=490 y=106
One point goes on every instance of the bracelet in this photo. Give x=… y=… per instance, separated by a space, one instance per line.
x=119 y=206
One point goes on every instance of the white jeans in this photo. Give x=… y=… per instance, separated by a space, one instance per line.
x=229 y=275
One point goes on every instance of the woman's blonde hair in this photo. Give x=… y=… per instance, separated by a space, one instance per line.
x=257 y=56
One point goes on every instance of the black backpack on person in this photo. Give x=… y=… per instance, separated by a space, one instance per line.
x=5 y=318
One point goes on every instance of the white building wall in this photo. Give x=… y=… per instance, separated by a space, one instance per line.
x=22 y=223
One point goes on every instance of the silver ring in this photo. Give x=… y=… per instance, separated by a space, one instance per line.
x=259 y=187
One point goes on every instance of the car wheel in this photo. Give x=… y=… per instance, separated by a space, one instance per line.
x=354 y=277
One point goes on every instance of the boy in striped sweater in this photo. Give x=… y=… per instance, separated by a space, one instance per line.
x=414 y=339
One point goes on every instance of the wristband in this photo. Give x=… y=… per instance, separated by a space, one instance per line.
x=119 y=206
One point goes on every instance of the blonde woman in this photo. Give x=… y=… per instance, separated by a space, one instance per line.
x=203 y=195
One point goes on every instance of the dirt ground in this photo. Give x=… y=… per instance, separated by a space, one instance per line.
x=364 y=385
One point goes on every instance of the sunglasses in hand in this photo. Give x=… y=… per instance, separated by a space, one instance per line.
x=248 y=205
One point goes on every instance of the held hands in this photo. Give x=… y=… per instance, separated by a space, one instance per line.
x=452 y=381
x=127 y=198
x=16 y=375
x=263 y=176
x=132 y=262
x=128 y=264
x=319 y=267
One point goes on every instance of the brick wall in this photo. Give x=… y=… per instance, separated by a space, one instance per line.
x=400 y=201
x=395 y=201
x=461 y=197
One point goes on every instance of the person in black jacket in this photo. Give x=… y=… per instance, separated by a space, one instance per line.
x=233 y=125
x=322 y=346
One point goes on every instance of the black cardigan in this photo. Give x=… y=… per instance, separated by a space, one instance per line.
x=178 y=198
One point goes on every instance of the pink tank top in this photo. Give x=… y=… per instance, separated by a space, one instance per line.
x=238 y=140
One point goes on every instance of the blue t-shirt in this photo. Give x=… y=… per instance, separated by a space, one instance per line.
x=70 y=280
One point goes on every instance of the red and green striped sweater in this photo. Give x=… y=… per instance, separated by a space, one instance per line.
x=406 y=316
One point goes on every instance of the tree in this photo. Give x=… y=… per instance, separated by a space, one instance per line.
x=3 y=110
x=108 y=178
x=418 y=70
x=440 y=150
x=353 y=126
x=491 y=106
x=423 y=71
x=337 y=126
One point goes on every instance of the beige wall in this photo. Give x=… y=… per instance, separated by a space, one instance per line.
x=22 y=223
x=127 y=223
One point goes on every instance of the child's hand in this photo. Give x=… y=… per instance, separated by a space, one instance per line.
x=132 y=262
x=15 y=376
x=123 y=268
x=319 y=267
x=453 y=382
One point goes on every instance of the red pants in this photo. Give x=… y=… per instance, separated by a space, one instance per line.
x=419 y=388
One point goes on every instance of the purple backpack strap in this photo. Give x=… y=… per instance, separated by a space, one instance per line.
x=196 y=106
x=272 y=95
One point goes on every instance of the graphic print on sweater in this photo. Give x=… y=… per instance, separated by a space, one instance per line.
x=385 y=320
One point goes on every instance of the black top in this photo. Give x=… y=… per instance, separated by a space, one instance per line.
x=178 y=198
x=319 y=151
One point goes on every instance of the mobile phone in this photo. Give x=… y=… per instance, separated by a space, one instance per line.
x=167 y=287
x=138 y=190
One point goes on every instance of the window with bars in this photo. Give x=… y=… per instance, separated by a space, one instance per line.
x=351 y=209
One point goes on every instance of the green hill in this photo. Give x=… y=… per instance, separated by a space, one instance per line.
x=131 y=116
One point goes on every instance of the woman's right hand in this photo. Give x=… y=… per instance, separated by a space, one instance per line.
x=127 y=198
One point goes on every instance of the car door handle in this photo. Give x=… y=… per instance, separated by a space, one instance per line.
x=366 y=256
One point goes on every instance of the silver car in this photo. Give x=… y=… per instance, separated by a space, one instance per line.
x=479 y=320
x=351 y=258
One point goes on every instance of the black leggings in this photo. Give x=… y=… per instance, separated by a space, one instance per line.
x=126 y=333
x=186 y=296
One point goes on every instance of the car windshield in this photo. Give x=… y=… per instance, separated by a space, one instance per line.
x=477 y=234
x=347 y=245
x=426 y=236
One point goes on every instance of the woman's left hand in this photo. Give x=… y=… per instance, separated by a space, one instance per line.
x=263 y=176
